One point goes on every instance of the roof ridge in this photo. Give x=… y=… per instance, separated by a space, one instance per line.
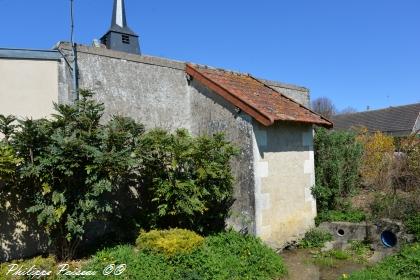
x=376 y=110
x=205 y=66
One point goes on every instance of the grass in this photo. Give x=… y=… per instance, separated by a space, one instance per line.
x=351 y=215
x=358 y=253
x=403 y=266
x=227 y=255
x=42 y=265
x=412 y=223
x=315 y=238
x=331 y=258
x=223 y=256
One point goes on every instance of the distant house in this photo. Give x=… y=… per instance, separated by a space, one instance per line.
x=396 y=121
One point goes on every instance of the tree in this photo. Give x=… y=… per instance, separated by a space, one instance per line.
x=324 y=107
x=73 y=164
x=348 y=110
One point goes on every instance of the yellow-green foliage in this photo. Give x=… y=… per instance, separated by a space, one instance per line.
x=169 y=242
x=40 y=263
x=8 y=161
x=377 y=157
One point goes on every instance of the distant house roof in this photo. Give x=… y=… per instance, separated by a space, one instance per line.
x=396 y=121
x=254 y=97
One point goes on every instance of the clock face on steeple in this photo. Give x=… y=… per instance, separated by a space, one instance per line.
x=120 y=37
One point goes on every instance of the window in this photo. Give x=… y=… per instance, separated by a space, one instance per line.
x=125 y=39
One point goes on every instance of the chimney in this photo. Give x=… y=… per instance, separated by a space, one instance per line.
x=120 y=37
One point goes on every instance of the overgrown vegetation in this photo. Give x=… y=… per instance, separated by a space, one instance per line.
x=358 y=252
x=80 y=170
x=345 y=162
x=345 y=215
x=403 y=266
x=222 y=256
x=377 y=161
x=337 y=161
x=315 y=238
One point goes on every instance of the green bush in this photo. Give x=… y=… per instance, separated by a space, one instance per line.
x=73 y=164
x=187 y=180
x=403 y=266
x=223 y=256
x=315 y=238
x=140 y=264
x=337 y=163
x=232 y=256
x=169 y=242
x=81 y=170
x=351 y=215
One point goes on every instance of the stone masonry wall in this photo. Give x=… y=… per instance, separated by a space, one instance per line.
x=284 y=164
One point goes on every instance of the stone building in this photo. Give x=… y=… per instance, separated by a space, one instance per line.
x=269 y=121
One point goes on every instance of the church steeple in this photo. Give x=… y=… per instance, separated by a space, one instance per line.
x=118 y=15
x=120 y=37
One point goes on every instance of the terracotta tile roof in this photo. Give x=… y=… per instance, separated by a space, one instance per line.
x=255 y=98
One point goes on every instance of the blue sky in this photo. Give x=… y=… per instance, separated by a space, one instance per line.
x=356 y=52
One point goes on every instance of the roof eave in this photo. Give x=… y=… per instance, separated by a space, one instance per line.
x=247 y=108
x=261 y=117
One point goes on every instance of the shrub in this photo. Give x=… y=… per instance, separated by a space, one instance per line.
x=315 y=238
x=81 y=170
x=378 y=155
x=231 y=255
x=140 y=265
x=337 y=162
x=169 y=242
x=187 y=180
x=222 y=256
x=351 y=215
x=73 y=164
x=403 y=266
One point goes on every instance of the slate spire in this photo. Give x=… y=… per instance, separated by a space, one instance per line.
x=118 y=15
x=120 y=37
